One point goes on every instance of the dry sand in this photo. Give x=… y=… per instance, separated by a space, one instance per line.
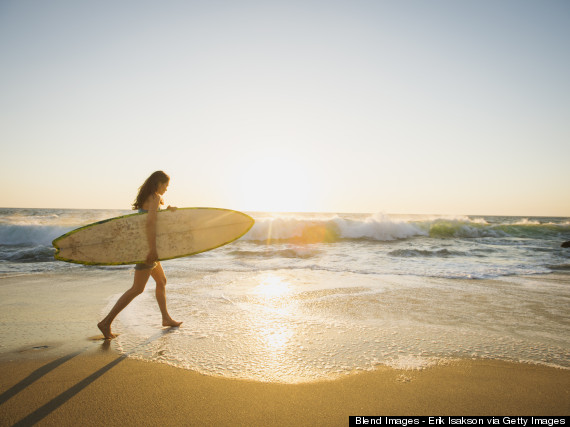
x=102 y=388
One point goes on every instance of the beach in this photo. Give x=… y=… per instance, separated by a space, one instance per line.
x=306 y=320
x=64 y=375
x=101 y=387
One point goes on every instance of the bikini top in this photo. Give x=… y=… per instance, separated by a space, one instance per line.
x=143 y=211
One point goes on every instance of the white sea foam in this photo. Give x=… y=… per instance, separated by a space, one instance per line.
x=412 y=362
x=25 y=234
x=378 y=227
x=527 y=221
x=302 y=326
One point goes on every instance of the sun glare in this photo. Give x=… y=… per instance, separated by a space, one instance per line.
x=276 y=183
x=273 y=332
x=272 y=287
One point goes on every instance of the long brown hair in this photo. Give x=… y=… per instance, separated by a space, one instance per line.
x=149 y=187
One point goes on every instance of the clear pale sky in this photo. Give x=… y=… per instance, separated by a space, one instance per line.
x=452 y=107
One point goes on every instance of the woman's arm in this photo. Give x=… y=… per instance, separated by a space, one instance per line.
x=151 y=229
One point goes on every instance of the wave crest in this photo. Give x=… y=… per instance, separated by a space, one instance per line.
x=302 y=230
x=15 y=234
x=380 y=227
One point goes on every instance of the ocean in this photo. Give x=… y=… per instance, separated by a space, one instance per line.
x=305 y=297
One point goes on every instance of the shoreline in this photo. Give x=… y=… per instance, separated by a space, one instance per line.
x=61 y=376
x=98 y=386
x=28 y=302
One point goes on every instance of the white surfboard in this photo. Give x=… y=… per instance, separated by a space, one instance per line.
x=122 y=240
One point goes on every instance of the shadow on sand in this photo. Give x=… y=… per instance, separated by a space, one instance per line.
x=34 y=376
x=62 y=398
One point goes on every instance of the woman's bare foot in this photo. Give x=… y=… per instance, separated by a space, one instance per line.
x=171 y=323
x=106 y=330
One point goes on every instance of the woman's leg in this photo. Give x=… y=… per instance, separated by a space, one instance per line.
x=160 y=279
x=139 y=283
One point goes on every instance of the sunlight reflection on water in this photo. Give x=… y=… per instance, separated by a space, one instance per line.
x=298 y=326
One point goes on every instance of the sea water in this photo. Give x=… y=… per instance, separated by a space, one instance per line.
x=304 y=297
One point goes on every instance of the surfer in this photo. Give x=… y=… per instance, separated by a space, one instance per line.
x=566 y=244
x=149 y=199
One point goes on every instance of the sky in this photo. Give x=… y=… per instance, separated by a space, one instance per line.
x=429 y=107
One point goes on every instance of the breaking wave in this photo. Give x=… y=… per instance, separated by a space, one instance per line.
x=15 y=234
x=381 y=228
x=39 y=253
x=28 y=243
x=26 y=235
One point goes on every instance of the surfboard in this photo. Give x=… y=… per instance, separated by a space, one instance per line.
x=122 y=240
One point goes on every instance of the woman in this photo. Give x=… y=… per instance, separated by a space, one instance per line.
x=148 y=200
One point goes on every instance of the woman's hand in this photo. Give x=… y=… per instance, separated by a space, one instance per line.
x=152 y=256
x=171 y=208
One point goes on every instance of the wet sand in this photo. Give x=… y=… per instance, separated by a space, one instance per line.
x=100 y=387
x=52 y=375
